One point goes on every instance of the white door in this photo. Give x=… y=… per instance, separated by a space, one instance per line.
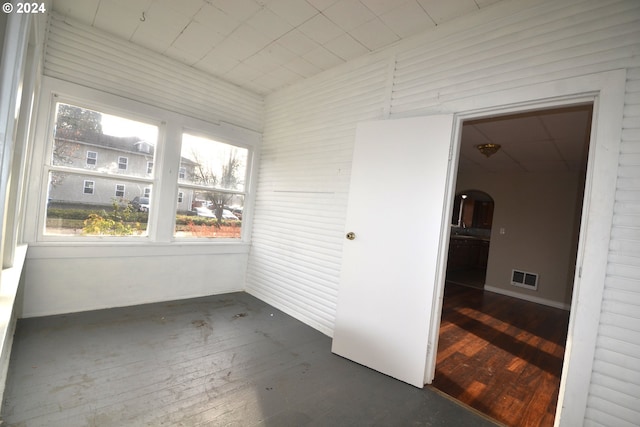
x=389 y=269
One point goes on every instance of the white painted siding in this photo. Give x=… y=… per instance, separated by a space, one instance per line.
x=303 y=181
x=301 y=202
x=91 y=58
x=615 y=382
x=552 y=41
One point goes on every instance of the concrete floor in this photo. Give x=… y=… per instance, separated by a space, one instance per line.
x=226 y=360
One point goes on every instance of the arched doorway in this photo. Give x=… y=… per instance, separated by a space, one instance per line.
x=471 y=223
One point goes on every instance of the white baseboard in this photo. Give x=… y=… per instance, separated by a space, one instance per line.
x=530 y=298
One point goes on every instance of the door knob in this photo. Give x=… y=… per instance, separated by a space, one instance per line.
x=351 y=235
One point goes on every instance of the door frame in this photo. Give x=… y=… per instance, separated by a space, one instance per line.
x=606 y=91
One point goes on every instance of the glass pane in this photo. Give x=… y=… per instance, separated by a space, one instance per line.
x=212 y=163
x=84 y=205
x=209 y=214
x=87 y=139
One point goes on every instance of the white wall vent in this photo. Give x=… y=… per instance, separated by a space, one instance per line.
x=524 y=279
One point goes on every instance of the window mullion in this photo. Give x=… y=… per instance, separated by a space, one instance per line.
x=164 y=200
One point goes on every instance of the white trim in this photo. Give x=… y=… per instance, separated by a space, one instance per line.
x=606 y=90
x=92 y=249
x=10 y=309
x=530 y=298
x=13 y=75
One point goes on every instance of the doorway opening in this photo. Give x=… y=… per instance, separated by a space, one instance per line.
x=501 y=347
x=470 y=238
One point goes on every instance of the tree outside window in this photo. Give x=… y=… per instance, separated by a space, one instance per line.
x=217 y=174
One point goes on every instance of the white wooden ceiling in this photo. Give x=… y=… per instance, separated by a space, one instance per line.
x=263 y=45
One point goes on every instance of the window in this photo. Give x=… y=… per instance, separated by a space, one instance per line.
x=88 y=187
x=216 y=174
x=122 y=163
x=102 y=181
x=107 y=212
x=92 y=158
x=120 y=190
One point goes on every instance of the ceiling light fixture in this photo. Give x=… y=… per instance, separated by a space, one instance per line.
x=488 y=149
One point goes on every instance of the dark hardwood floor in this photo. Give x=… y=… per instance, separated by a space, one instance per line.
x=501 y=355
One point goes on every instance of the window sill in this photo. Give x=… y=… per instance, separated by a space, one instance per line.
x=9 y=290
x=93 y=249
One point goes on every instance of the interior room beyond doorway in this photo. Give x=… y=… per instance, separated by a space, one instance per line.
x=503 y=355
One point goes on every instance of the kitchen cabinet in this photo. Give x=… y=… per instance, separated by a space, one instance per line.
x=467 y=252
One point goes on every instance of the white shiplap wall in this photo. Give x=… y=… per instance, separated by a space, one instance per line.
x=303 y=188
x=303 y=184
x=614 y=396
x=89 y=57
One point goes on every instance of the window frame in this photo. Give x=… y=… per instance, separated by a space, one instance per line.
x=249 y=185
x=125 y=163
x=92 y=187
x=164 y=181
x=124 y=190
x=95 y=159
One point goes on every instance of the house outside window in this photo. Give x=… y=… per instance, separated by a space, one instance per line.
x=182 y=173
x=92 y=158
x=180 y=196
x=77 y=127
x=147 y=192
x=149 y=168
